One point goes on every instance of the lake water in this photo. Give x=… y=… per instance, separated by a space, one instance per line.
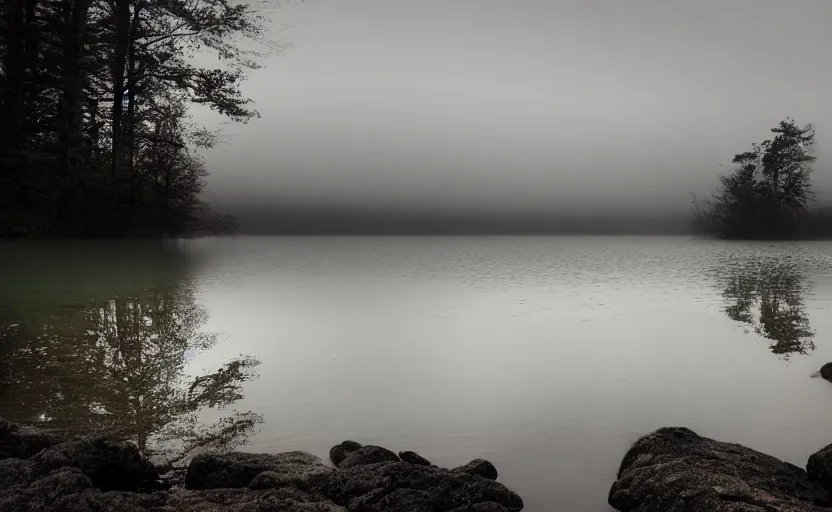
x=548 y=356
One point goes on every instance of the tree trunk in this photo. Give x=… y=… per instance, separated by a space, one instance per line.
x=118 y=72
x=69 y=125
x=14 y=64
x=130 y=129
x=165 y=196
x=12 y=134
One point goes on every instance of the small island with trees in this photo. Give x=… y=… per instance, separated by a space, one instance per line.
x=768 y=193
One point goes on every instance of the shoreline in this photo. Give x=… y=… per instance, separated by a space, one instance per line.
x=673 y=469
x=669 y=470
x=47 y=470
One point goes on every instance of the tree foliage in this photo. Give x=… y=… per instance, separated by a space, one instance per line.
x=95 y=131
x=767 y=193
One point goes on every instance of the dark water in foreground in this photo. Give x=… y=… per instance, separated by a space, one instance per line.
x=548 y=356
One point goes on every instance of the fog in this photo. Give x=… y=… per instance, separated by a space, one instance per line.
x=522 y=109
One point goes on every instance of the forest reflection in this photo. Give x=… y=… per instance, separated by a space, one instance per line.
x=118 y=366
x=768 y=294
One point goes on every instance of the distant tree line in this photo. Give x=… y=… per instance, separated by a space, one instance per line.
x=95 y=133
x=219 y=224
x=768 y=193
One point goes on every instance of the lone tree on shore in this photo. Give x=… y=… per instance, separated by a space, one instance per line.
x=768 y=189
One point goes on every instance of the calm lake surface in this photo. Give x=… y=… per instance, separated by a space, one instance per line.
x=548 y=356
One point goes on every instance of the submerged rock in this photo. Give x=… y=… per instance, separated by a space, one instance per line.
x=414 y=458
x=675 y=470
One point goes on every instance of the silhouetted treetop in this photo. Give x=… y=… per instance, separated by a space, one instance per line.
x=767 y=193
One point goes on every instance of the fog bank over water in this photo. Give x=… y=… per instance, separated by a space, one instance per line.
x=529 y=108
x=322 y=220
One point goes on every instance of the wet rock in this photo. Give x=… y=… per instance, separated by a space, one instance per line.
x=94 y=500
x=479 y=467
x=414 y=458
x=42 y=493
x=110 y=464
x=62 y=481
x=15 y=472
x=391 y=486
x=368 y=455
x=412 y=500
x=213 y=471
x=819 y=467
x=675 y=470
x=826 y=371
x=488 y=506
x=339 y=452
x=174 y=478
x=245 y=500
x=298 y=480
x=98 y=475
x=22 y=442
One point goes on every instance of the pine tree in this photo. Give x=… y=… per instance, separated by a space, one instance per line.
x=768 y=191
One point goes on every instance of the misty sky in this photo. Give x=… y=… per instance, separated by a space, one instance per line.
x=528 y=105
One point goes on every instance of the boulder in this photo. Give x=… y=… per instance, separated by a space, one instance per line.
x=395 y=486
x=15 y=472
x=213 y=470
x=485 y=506
x=826 y=371
x=414 y=458
x=675 y=470
x=282 y=479
x=97 y=474
x=22 y=442
x=110 y=464
x=246 y=500
x=42 y=493
x=68 y=489
x=339 y=452
x=479 y=467
x=819 y=467
x=368 y=455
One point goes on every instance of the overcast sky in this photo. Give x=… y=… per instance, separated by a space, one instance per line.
x=523 y=104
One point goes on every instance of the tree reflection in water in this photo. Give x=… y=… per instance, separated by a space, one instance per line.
x=118 y=367
x=768 y=294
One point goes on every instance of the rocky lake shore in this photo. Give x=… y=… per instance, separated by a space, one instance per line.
x=42 y=470
x=670 y=470
x=675 y=470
